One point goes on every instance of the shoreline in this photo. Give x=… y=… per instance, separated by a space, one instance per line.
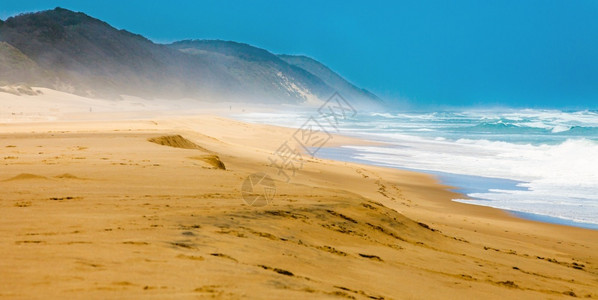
x=115 y=206
x=466 y=184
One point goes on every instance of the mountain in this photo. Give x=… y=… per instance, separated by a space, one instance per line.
x=92 y=58
x=331 y=78
x=17 y=67
x=256 y=70
x=73 y=52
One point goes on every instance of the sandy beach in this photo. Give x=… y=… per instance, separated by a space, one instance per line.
x=294 y=150
x=151 y=207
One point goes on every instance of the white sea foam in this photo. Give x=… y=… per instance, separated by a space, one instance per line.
x=553 y=120
x=561 y=180
x=558 y=167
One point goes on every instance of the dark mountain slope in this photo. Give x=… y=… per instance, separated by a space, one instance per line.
x=76 y=53
x=96 y=58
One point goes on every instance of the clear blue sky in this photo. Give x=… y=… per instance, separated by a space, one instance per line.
x=510 y=53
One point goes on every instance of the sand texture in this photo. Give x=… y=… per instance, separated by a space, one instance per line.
x=153 y=208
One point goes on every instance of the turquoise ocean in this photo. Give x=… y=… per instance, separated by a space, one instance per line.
x=538 y=164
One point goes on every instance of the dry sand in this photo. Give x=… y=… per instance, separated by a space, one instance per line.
x=153 y=208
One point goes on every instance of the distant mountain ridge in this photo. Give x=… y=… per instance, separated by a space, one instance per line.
x=329 y=77
x=73 y=52
x=254 y=68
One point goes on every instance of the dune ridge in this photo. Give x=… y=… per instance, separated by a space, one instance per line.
x=213 y=160
x=176 y=141
x=25 y=176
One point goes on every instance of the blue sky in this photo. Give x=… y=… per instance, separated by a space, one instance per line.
x=453 y=53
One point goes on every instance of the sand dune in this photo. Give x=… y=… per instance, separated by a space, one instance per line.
x=176 y=141
x=213 y=160
x=20 y=90
x=154 y=221
x=26 y=176
x=67 y=176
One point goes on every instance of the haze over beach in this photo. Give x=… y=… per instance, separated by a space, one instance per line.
x=301 y=150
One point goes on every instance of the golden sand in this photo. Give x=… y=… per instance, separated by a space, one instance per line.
x=96 y=210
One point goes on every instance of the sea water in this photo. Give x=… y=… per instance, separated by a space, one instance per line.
x=540 y=164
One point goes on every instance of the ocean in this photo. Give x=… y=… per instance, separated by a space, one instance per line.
x=537 y=164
